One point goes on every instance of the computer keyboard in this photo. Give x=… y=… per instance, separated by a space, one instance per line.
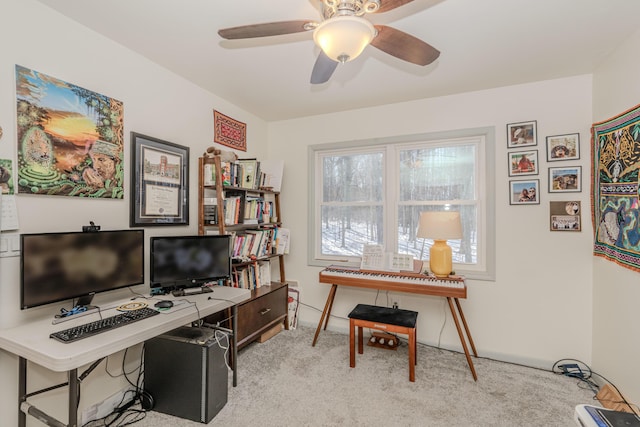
x=103 y=325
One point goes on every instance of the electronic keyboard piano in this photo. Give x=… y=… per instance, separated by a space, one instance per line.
x=395 y=281
x=451 y=288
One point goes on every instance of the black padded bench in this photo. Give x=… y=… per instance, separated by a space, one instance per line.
x=386 y=319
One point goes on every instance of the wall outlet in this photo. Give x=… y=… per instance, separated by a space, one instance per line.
x=104 y=408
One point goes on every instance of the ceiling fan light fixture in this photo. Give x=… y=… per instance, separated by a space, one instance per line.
x=343 y=38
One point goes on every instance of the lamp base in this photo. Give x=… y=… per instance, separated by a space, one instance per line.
x=440 y=259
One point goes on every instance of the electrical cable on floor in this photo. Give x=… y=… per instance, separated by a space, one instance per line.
x=577 y=369
x=123 y=414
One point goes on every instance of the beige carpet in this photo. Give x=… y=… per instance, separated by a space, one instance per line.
x=286 y=382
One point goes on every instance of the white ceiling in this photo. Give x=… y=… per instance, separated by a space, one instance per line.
x=483 y=43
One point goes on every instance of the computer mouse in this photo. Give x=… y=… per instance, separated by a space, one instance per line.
x=164 y=304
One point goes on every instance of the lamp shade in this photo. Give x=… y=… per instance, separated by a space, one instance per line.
x=442 y=225
x=343 y=38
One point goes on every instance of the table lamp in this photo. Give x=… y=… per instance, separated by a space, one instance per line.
x=440 y=226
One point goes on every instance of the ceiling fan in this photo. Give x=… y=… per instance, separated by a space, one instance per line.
x=343 y=34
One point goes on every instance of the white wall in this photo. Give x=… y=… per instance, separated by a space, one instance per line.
x=156 y=103
x=616 y=289
x=537 y=310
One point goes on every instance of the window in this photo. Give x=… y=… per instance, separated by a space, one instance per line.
x=373 y=193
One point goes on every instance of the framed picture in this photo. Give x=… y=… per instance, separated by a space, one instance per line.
x=523 y=163
x=565 y=216
x=524 y=192
x=159 y=182
x=521 y=134
x=563 y=147
x=565 y=179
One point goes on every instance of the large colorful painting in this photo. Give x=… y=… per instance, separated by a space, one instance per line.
x=70 y=139
x=616 y=159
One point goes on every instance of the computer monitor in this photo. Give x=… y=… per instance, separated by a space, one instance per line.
x=186 y=261
x=61 y=266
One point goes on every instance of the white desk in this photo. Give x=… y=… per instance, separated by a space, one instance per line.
x=31 y=341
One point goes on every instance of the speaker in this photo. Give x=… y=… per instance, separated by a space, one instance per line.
x=186 y=374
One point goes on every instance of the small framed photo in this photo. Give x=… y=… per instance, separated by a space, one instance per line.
x=565 y=179
x=523 y=163
x=524 y=192
x=565 y=216
x=521 y=134
x=563 y=147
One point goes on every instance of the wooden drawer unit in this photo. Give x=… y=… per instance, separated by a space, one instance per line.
x=266 y=308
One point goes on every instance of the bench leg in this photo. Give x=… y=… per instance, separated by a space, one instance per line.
x=412 y=355
x=352 y=344
x=360 y=340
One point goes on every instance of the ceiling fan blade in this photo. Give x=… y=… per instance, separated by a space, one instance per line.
x=265 y=30
x=387 y=5
x=404 y=46
x=323 y=69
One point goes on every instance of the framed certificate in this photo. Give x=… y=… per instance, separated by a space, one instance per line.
x=159 y=182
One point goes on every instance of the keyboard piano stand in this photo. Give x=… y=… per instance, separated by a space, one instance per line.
x=381 y=284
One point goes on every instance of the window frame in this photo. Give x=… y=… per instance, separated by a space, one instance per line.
x=485 y=269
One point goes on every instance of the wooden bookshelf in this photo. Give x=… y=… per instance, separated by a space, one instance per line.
x=268 y=305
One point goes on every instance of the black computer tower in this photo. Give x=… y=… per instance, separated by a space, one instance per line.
x=185 y=373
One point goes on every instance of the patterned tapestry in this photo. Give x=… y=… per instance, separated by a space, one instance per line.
x=616 y=159
x=70 y=139
x=229 y=132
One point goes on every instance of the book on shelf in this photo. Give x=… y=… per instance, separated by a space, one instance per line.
x=252 y=276
x=248 y=169
x=253 y=208
x=209 y=174
x=282 y=240
x=232 y=210
x=271 y=174
x=264 y=269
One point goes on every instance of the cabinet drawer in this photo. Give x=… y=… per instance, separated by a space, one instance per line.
x=256 y=314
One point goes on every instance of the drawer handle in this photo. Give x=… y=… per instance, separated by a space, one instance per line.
x=264 y=311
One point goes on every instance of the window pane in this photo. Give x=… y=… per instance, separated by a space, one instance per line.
x=352 y=178
x=345 y=229
x=374 y=194
x=438 y=173
x=464 y=251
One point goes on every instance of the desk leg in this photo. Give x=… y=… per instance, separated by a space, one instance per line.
x=22 y=390
x=234 y=349
x=462 y=338
x=326 y=313
x=73 y=397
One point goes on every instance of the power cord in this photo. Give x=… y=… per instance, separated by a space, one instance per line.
x=123 y=414
x=574 y=368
